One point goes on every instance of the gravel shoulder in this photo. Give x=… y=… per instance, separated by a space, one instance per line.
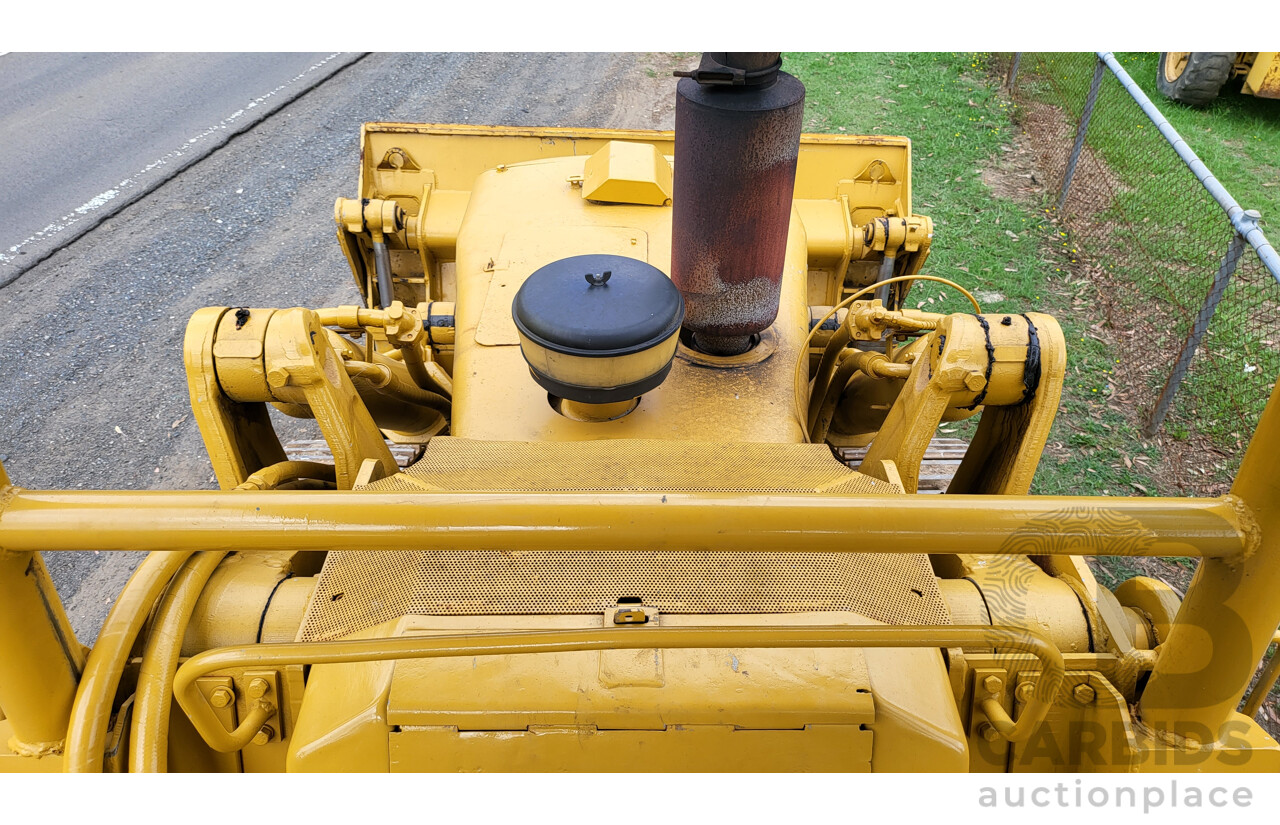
x=95 y=394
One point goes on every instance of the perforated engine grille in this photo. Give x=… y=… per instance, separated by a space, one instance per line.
x=358 y=590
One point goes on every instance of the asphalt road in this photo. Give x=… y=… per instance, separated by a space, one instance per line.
x=84 y=134
x=92 y=389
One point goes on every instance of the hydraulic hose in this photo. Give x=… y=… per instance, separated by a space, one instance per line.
x=385 y=380
x=149 y=741
x=838 y=341
x=91 y=711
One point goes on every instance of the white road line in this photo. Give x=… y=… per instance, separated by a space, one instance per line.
x=98 y=201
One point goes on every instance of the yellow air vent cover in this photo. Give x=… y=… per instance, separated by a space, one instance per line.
x=632 y=173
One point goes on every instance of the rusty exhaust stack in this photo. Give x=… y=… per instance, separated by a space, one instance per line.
x=738 y=121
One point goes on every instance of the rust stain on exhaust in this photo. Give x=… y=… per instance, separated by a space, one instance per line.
x=735 y=168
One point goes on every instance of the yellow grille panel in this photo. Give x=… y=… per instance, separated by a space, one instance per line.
x=638 y=465
x=359 y=590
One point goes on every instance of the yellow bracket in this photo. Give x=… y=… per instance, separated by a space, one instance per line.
x=644 y=637
x=239 y=360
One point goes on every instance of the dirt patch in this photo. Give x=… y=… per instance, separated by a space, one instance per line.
x=1051 y=135
x=647 y=99
x=1015 y=173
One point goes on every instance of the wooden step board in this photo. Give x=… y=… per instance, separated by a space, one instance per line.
x=939 y=466
x=317 y=449
x=936 y=471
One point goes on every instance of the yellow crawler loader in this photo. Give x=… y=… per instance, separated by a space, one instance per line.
x=624 y=472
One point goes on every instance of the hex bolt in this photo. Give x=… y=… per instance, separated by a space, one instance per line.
x=221 y=697
x=264 y=735
x=1084 y=694
x=1024 y=691
x=258 y=688
x=993 y=684
x=988 y=732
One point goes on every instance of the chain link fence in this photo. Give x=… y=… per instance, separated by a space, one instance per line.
x=1190 y=303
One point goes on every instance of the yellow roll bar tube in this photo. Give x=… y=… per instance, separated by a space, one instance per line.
x=356 y=520
x=1005 y=639
x=91 y=713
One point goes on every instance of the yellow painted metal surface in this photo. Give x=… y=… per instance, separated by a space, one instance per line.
x=539 y=660
x=900 y=705
x=685 y=748
x=499 y=247
x=1263 y=78
x=622 y=172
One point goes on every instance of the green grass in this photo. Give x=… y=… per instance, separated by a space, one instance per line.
x=1166 y=234
x=958 y=121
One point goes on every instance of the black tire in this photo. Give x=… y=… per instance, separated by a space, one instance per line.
x=1199 y=82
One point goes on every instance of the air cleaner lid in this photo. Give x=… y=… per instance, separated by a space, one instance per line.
x=598 y=306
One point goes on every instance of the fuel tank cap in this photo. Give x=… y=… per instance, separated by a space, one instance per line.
x=598 y=329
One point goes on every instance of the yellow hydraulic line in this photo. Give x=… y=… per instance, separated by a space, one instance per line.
x=91 y=711
x=601 y=521
x=149 y=740
x=1266 y=681
x=844 y=334
x=282 y=472
x=1006 y=639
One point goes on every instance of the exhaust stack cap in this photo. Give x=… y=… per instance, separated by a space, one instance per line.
x=598 y=329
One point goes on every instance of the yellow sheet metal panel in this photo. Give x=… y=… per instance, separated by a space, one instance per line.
x=750 y=689
x=457 y=154
x=829 y=748
x=351 y=710
x=499 y=246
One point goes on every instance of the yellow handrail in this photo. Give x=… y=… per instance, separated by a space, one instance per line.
x=1006 y=639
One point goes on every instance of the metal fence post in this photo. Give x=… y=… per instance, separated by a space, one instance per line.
x=1012 y=80
x=1198 y=327
x=1085 y=115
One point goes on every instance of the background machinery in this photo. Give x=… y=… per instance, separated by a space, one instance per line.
x=1195 y=78
x=624 y=451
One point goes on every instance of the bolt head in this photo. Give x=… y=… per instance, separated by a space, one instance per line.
x=989 y=733
x=221 y=697
x=258 y=688
x=1025 y=690
x=264 y=735
x=993 y=684
x=1084 y=694
x=975 y=381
